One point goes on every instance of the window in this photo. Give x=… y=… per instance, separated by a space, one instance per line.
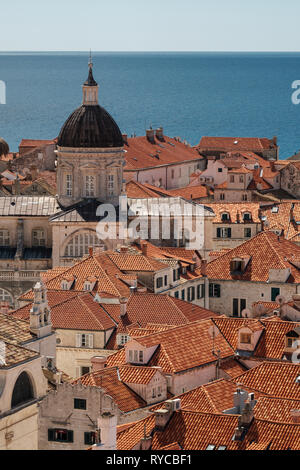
x=110 y=184
x=5 y=296
x=222 y=196
x=236 y=266
x=166 y=280
x=246 y=216
x=153 y=392
x=290 y=342
x=79 y=244
x=90 y=438
x=191 y=294
x=159 y=282
x=84 y=340
x=222 y=448
x=220 y=170
x=38 y=237
x=231 y=178
x=274 y=292
x=141 y=356
x=85 y=370
x=241 y=178
x=90 y=186
x=238 y=306
x=172 y=174
x=183 y=294
x=159 y=391
x=4 y=238
x=23 y=390
x=69 y=183
x=176 y=274
x=200 y=291
x=244 y=197
x=225 y=216
x=79 y=404
x=247 y=232
x=124 y=339
x=245 y=338
x=223 y=232
x=210 y=447
x=214 y=290
x=176 y=294
x=60 y=435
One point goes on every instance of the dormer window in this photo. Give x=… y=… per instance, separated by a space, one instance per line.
x=225 y=217
x=236 y=266
x=246 y=216
x=245 y=338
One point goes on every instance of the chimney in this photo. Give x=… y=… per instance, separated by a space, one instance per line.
x=132 y=289
x=4 y=307
x=295 y=415
x=239 y=398
x=203 y=267
x=247 y=414
x=123 y=306
x=98 y=363
x=160 y=134
x=150 y=135
x=124 y=249
x=163 y=415
x=275 y=140
x=34 y=172
x=146 y=441
x=144 y=248
x=296 y=300
x=125 y=140
x=107 y=424
x=91 y=251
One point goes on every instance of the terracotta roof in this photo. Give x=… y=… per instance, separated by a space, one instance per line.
x=140 y=153
x=143 y=308
x=35 y=142
x=137 y=375
x=226 y=144
x=14 y=330
x=179 y=348
x=139 y=190
x=235 y=211
x=285 y=218
x=276 y=409
x=135 y=262
x=108 y=379
x=258 y=182
x=277 y=253
x=277 y=379
x=75 y=312
x=232 y=367
x=191 y=192
x=15 y=354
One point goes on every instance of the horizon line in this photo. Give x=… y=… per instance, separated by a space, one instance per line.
x=154 y=51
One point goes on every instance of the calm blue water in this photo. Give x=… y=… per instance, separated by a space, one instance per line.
x=189 y=94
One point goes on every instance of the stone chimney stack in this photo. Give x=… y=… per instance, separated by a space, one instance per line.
x=203 y=267
x=150 y=135
x=163 y=415
x=98 y=363
x=107 y=424
x=144 y=248
x=123 y=306
x=160 y=134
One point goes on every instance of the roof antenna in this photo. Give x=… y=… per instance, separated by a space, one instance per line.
x=90 y=59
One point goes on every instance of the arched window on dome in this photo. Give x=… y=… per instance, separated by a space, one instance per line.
x=23 y=390
x=5 y=296
x=79 y=244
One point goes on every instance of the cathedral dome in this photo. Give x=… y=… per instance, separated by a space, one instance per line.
x=90 y=126
x=4 y=148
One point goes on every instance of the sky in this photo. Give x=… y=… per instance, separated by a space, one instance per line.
x=150 y=25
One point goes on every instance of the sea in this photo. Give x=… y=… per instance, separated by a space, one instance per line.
x=189 y=94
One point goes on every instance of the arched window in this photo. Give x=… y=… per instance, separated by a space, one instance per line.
x=23 y=390
x=79 y=244
x=38 y=237
x=4 y=237
x=225 y=216
x=5 y=296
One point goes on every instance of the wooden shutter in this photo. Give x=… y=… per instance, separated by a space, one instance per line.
x=91 y=341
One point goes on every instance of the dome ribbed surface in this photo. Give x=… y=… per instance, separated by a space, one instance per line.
x=90 y=126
